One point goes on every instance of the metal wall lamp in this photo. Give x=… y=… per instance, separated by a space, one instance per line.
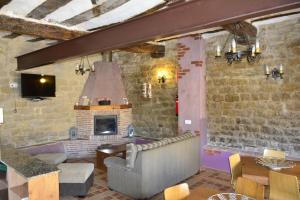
x=275 y=73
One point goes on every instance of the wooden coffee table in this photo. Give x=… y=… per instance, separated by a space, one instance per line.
x=108 y=152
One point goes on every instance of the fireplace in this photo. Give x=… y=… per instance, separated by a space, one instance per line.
x=105 y=125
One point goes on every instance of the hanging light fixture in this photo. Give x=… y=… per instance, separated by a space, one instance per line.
x=81 y=69
x=252 y=51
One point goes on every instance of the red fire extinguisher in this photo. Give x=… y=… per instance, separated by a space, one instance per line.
x=177 y=105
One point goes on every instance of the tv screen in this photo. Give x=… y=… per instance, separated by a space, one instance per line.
x=37 y=85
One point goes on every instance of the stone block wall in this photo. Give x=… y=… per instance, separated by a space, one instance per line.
x=43 y=121
x=50 y=120
x=246 y=111
x=154 y=117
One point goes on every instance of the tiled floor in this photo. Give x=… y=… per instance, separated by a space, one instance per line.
x=206 y=178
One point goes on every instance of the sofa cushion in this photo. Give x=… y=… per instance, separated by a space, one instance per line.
x=75 y=172
x=132 y=149
x=52 y=158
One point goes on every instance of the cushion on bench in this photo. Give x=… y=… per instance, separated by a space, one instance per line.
x=52 y=158
x=75 y=172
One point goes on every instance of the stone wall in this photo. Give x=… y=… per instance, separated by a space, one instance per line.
x=43 y=121
x=154 y=117
x=51 y=119
x=246 y=111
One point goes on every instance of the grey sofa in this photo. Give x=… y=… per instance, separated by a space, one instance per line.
x=155 y=168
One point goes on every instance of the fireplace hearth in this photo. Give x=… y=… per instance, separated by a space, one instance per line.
x=103 y=122
x=105 y=125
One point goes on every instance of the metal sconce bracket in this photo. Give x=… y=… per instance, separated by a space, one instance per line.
x=276 y=73
x=162 y=79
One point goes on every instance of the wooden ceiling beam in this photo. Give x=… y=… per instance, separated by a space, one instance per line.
x=245 y=32
x=155 y=50
x=4 y=2
x=46 y=8
x=241 y=29
x=94 y=12
x=185 y=17
x=12 y=35
x=21 y=26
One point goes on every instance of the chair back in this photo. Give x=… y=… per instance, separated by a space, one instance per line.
x=235 y=168
x=177 y=192
x=283 y=186
x=274 y=154
x=250 y=188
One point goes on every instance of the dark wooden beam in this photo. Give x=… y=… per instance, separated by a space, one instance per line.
x=36 y=39
x=21 y=26
x=241 y=29
x=12 y=35
x=245 y=32
x=182 y=18
x=4 y=2
x=46 y=8
x=155 y=50
x=150 y=11
x=94 y=12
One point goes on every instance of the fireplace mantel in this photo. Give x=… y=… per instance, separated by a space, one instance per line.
x=106 y=107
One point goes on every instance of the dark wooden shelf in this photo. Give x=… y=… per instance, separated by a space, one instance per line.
x=104 y=107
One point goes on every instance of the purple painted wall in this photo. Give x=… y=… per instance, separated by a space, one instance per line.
x=105 y=82
x=192 y=98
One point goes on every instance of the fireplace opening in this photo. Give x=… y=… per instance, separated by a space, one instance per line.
x=105 y=125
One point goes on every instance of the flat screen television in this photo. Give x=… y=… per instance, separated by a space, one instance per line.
x=37 y=85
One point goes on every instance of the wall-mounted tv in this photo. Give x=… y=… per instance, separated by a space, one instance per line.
x=37 y=85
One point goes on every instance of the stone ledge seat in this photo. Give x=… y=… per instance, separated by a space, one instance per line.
x=75 y=179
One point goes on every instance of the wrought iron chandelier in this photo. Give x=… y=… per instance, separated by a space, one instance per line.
x=81 y=69
x=252 y=51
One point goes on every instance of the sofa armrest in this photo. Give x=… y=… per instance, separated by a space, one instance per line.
x=115 y=162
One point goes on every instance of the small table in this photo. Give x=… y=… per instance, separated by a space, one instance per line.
x=229 y=196
x=260 y=174
x=108 y=152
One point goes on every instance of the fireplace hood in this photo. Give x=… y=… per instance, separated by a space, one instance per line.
x=105 y=82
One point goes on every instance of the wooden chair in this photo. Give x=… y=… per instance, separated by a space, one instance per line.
x=283 y=187
x=177 y=192
x=250 y=188
x=274 y=154
x=235 y=168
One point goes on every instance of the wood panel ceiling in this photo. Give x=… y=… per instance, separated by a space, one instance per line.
x=60 y=20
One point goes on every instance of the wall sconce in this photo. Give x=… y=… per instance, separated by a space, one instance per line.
x=162 y=79
x=276 y=72
x=147 y=90
x=162 y=76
